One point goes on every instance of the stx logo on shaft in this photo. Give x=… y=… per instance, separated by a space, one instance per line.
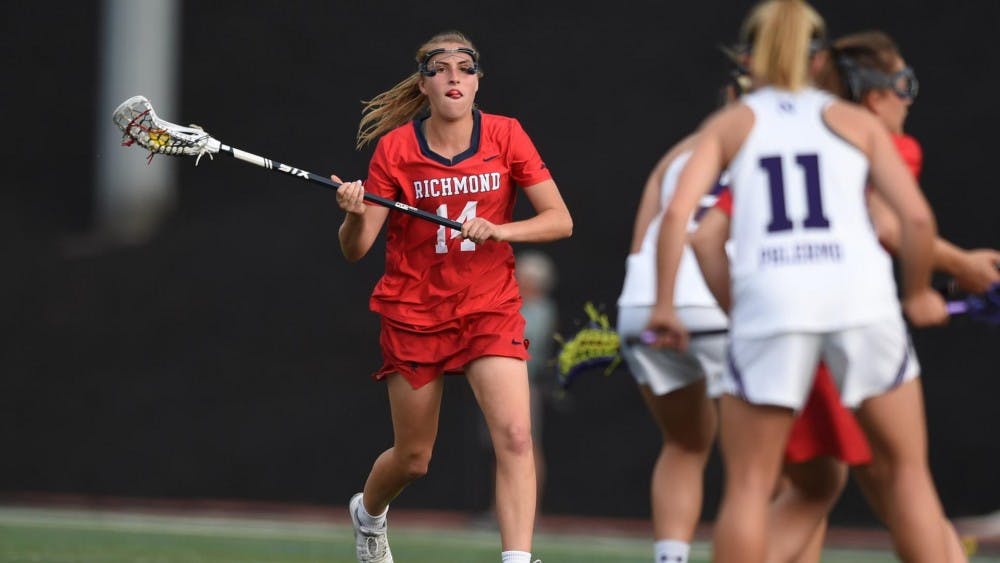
x=293 y=171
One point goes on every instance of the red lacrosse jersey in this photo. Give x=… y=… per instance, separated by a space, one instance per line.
x=432 y=274
x=911 y=152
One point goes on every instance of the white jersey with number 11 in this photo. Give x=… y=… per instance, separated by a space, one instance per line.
x=807 y=257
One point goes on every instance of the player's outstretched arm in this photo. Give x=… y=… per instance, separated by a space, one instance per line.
x=974 y=270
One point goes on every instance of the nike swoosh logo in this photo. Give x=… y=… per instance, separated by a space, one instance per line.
x=516 y=342
x=489 y=158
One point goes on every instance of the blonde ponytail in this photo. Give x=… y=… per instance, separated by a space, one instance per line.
x=404 y=101
x=779 y=33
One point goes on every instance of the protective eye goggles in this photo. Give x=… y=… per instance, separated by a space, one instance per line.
x=905 y=84
x=862 y=80
x=471 y=67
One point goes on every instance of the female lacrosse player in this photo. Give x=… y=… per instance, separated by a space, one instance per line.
x=822 y=433
x=676 y=386
x=809 y=282
x=868 y=68
x=448 y=299
x=825 y=437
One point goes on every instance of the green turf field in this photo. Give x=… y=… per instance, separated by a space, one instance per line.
x=58 y=536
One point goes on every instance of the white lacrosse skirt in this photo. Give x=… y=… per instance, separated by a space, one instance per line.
x=865 y=361
x=664 y=370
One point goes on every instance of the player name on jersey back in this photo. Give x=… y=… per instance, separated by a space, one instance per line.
x=795 y=253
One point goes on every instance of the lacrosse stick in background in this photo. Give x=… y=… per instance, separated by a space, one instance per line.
x=648 y=337
x=595 y=345
x=983 y=308
x=140 y=125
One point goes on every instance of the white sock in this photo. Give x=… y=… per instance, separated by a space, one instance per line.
x=671 y=551
x=369 y=521
x=515 y=557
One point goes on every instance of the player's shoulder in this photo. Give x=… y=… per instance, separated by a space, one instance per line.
x=497 y=122
x=399 y=134
x=739 y=114
x=398 y=143
x=729 y=126
x=855 y=124
x=851 y=113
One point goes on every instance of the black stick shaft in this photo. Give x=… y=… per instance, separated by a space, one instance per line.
x=328 y=183
x=648 y=337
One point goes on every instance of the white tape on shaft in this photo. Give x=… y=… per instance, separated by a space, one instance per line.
x=251 y=158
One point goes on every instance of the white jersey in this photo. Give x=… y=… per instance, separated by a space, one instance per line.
x=807 y=258
x=639 y=288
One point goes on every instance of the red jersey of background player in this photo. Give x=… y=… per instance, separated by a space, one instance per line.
x=911 y=152
x=431 y=273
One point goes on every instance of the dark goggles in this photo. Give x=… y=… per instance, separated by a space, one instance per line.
x=860 y=80
x=905 y=84
x=427 y=69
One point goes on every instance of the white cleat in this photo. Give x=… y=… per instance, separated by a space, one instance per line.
x=371 y=544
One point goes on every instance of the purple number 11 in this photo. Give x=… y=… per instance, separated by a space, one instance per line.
x=814 y=200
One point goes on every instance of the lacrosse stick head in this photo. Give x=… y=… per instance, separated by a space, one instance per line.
x=140 y=125
x=595 y=345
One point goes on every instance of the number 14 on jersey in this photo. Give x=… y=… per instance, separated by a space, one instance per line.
x=468 y=212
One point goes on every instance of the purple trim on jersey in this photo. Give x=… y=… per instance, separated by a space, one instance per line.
x=740 y=388
x=425 y=149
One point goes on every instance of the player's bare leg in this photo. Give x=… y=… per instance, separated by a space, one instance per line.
x=500 y=385
x=415 y=415
x=753 y=439
x=871 y=480
x=797 y=518
x=813 y=551
x=895 y=425
x=687 y=421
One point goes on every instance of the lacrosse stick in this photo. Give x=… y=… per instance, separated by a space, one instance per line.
x=648 y=337
x=597 y=345
x=140 y=125
x=593 y=346
x=983 y=308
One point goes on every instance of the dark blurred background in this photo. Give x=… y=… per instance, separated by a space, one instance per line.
x=226 y=354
